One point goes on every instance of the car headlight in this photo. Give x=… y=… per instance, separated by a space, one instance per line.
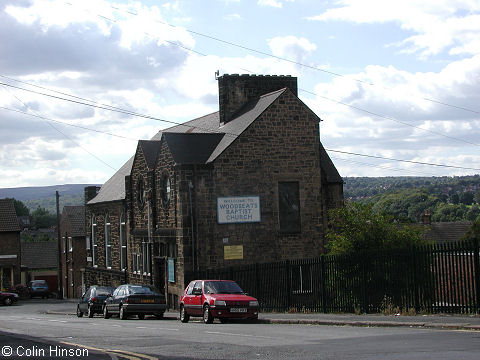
x=253 y=303
x=220 y=303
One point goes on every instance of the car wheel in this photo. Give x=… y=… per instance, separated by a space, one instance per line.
x=90 y=312
x=79 y=313
x=8 y=301
x=159 y=316
x=122 y=313
x=106 y=314
x=207 y=315
x=184 y=317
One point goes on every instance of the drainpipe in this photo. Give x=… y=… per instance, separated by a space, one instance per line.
x=190 y=188
x=149 y=242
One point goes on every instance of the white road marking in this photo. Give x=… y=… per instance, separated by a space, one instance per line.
x=243 y=335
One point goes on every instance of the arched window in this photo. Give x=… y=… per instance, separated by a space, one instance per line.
x=94 y=240
x=123 y=242
x=141 y=192
x=108 y=243
x=166 y=189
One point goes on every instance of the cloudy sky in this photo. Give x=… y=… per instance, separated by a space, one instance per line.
x=390 y=79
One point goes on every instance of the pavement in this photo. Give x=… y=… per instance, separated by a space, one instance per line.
x=438 y=321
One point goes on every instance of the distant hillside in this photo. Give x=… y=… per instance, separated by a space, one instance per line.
x=359 y=188
x=454 y=198
x=44 y=196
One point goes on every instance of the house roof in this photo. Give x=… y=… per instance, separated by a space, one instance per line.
x=8 y=216
x=75 y=216
x=150 y=149
x=212 y=139
x=114 y=188
x=39 y=255
x=188 y=148
x=446 y=232
x=327 y=166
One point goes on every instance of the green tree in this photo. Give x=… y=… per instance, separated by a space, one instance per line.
x=20 y=208
x=356 y=227
x=477 y=197
x=474 y=231
x=467 y=198
x=455 y=199
x=473 y=213
x=42 y=218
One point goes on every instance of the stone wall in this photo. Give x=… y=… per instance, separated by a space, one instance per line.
x=97 y=276
x=281 y=145
x=114 y=210
x=234 y=91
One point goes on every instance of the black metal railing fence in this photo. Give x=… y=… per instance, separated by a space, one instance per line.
x=440 y=278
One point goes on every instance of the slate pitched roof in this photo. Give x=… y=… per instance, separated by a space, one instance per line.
x=446 y=232
x=75 y=215
x=39 y=255
x=219 y=138
x=190 y=148
x=114 y=188
x=150 y=151
x=327 y=166
x=8 y=216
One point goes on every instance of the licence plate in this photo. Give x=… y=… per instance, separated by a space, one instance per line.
x=238 y=310
x=148 y=301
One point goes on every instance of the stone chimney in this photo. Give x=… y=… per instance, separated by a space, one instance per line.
x=235 y=90
x=426 y=218
x=90 y=192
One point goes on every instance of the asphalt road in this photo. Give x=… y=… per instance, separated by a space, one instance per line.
x=170 y=339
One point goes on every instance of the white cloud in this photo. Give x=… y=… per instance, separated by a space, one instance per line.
x=437 y=133
x=232 y=17
x=273 y=3
x=439 y=24
x=291 y=47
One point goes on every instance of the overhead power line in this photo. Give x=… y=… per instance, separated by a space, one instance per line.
x=402 y=160
x=381 y=166
x=236 y=135
x=243 y=47
x=61 y=132
x=92 y=103
x=68 y=124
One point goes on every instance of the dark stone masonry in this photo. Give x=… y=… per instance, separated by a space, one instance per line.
x=250 y=183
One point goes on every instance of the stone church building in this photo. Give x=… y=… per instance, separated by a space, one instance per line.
x=247 y=184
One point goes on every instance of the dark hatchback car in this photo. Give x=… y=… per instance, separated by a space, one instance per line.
x=137 y=300
x=92 y=301
x=38 y=288
x=222 y=299
x=8 y=298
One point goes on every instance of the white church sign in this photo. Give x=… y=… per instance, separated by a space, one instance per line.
x=242 y=209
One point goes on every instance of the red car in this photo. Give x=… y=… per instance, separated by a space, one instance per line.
x=222 y=299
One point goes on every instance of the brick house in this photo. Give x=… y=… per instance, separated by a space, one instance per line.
x=10 y=249
x=247 y=184
x=40 y=261
x=73 y=249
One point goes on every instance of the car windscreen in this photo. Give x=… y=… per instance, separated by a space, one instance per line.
x=142 y=290
x=38 y=283
x=222 y=287
x=103 y=291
